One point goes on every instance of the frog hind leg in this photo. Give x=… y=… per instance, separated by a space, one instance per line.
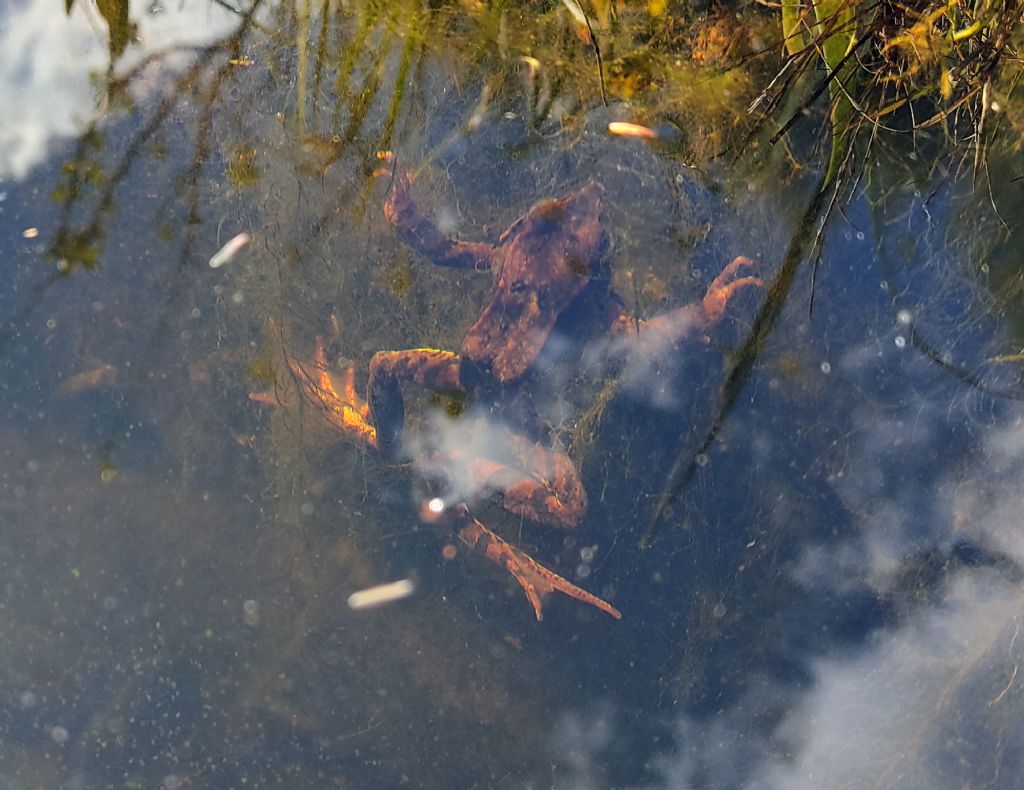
x=335 y=399
x=536 y=580
x=428 y=367
x=342 y=407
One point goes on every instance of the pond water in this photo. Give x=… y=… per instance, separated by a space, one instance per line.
x=807 y=512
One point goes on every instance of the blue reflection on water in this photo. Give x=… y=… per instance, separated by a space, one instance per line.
x=832 y=596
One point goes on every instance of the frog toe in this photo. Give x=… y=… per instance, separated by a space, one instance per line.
x=723 y=288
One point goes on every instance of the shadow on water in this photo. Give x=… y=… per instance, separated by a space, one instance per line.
x=807 y=517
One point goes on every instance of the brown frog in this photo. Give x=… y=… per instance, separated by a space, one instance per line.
x=550 y=274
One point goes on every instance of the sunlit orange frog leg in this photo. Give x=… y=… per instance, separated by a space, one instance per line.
x=345 y=411
x=348 y=392
x=536 y=580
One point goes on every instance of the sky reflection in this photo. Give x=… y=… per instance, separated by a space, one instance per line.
x=47 y=86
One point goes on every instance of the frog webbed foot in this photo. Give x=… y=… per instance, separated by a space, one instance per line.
x=342 y=406
x=536 y=580
x=334 y=398
x=724 y=287
x=399 y=208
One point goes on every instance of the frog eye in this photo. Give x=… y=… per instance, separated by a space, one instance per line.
x=577 y=265
x=517 y=287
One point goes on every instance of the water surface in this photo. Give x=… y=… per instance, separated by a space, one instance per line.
x=809 y=519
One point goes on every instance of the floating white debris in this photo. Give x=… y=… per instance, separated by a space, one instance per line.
x=251 y=612
x=381 y=594
x=665 y=135
x=229 y=250
x=626 y=129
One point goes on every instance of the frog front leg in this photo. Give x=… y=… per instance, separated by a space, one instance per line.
x=424 y=236
x=666 y=330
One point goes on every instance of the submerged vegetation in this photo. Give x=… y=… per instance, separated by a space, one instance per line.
x=896 y=67
x=720 y=83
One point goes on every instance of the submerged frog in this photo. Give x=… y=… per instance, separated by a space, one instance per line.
x=550 y=275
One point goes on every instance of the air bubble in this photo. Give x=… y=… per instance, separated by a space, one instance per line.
x=900 y=341
x=251 y=612
x=904 y=317
x=826 y=368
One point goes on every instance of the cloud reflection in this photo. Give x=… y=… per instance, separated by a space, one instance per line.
x=478 y=454
x=935 y=703
x=936 y=700
x=50 y=60
x=932 y=696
